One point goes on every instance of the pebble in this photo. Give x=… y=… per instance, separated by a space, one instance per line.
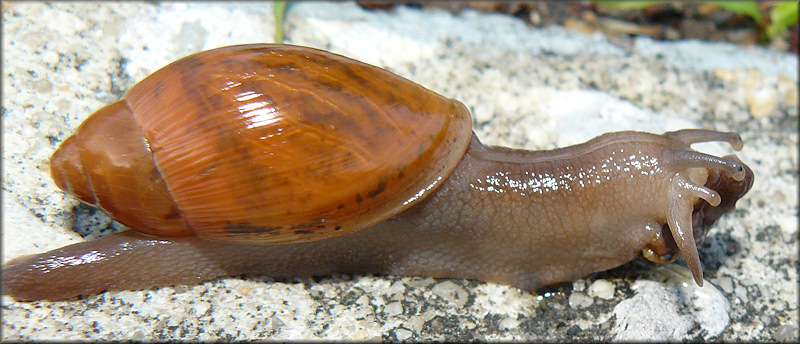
x=579 y=300
x=451 y=292
x=762 y=102
x=602 y=289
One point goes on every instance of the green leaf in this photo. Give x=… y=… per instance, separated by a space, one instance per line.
x=748 y=8
x=280 y=10
x=782 y=16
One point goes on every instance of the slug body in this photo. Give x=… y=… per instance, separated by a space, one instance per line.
x=522 y=218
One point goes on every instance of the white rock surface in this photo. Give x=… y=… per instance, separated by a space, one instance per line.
x=656 y=313
x=530 y=87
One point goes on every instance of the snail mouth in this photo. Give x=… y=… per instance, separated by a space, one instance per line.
x=665 y=250
x=730 y=191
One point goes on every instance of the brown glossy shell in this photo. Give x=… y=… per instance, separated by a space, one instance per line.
x=264 y=143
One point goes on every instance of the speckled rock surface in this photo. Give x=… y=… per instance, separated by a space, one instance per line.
x=527 y=87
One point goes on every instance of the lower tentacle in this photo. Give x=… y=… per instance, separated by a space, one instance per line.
x=679 y=219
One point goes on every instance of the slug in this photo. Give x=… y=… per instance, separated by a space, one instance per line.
x=287 y=161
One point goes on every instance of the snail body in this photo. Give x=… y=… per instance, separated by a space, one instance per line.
x=288 y=161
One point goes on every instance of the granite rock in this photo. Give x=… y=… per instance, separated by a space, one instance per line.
x=529 y=87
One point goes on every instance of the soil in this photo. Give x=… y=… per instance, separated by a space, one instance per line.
x=667 y=21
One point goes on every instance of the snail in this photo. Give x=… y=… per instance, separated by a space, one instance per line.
x=288 y=161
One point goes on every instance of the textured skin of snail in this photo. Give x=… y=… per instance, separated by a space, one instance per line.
x=516 y=217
